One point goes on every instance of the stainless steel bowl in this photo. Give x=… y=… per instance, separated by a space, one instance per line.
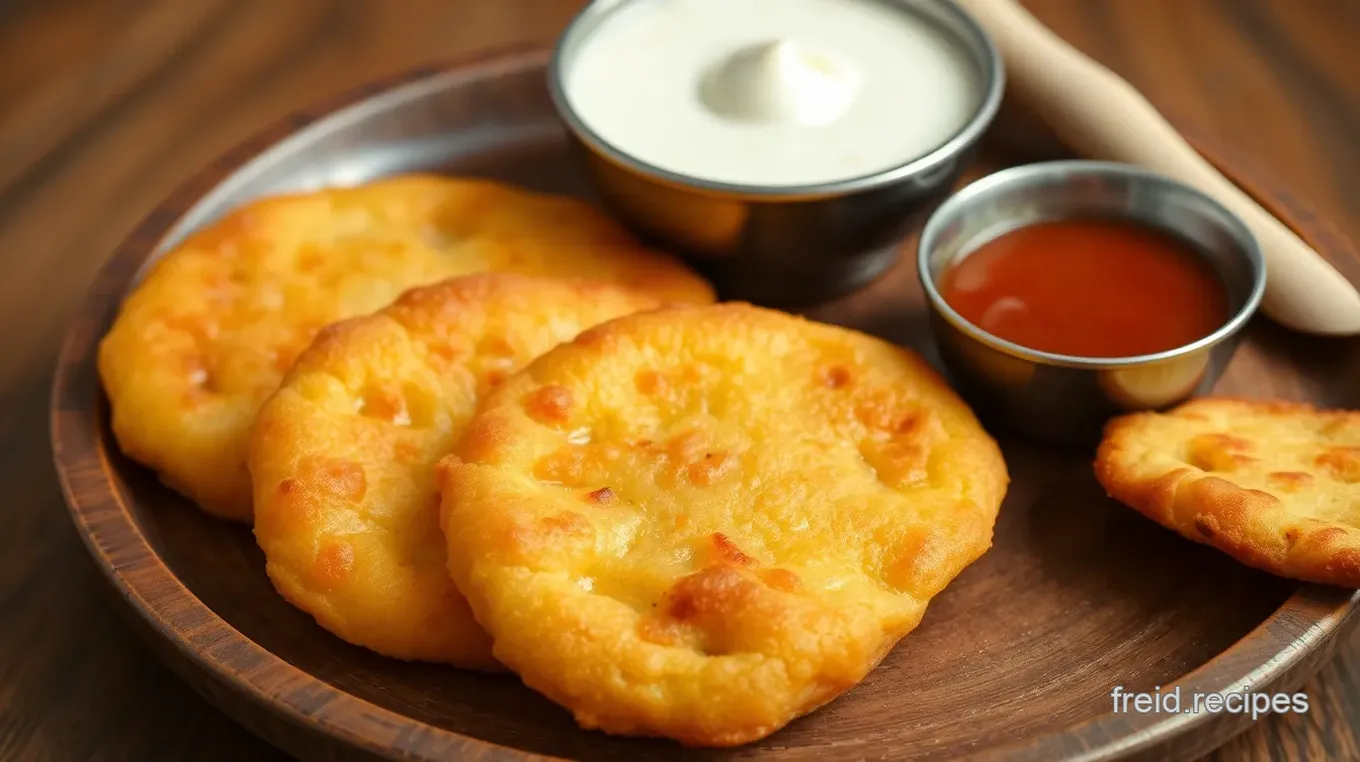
x=1064 y=399
x=788 y=245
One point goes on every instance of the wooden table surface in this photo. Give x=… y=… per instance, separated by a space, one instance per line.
x=105 y=105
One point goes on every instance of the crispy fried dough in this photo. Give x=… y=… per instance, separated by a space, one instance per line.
x=343 y=455
x=701 y=523
x=217 y=322
x=1275 y=485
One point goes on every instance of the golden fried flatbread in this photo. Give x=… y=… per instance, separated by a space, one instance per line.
x=343 y=455
x=1275 y=485
x=701 y=523
x=217 y=322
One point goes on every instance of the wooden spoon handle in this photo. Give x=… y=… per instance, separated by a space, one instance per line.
x=1100 y=115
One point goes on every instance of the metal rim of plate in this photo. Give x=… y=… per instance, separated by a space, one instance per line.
x=1278 y=653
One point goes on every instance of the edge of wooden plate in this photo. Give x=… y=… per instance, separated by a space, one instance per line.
x=276 y=700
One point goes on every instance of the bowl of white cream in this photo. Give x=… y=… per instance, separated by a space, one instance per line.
x=784 y=146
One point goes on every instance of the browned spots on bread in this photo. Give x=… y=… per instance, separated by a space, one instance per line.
x=898 y=464
x=345 y=479
x=689 y=458
x=686 y=459
x=334 y=560
x=919 y=563
x=550 y=404
x=1231 y=503
x=883 y=412
x=534 y=542
x=197 y=327
x=1289 y=481
x=1221 y=442
x=650 y=382
x=566 y=523
x=486 y=437
x=1343 y=463
x=705 y=607
x=597 y=336
x=899 y=451
x=578 y=465
x=405 y=452
x=706 y=594
x=686 y=447
x=670 y=388
x=317 y=483
x=1219 y=452
x=310 y=259
x=443 y=356
x=782 y=580
x=495 y=346
x=915 y=424
x=328 y=477
x=835 y=376
x=1339 y=424
x=601 y=496
x=385 y=402
x=726 y=552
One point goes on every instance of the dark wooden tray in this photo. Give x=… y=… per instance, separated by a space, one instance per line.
x=1014 y=661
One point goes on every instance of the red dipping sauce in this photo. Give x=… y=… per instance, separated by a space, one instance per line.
x=1088 y=288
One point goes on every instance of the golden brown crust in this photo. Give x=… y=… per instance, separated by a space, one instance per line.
x=210 y=332
x=1275 y=485
x=701 y=523
x=343 y=454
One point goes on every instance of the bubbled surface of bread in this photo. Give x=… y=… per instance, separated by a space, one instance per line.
x=343 y=455
x=1275 y=485
x=210 y=331
x=701 y=523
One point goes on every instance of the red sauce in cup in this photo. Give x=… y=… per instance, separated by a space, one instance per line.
x=1088 y=288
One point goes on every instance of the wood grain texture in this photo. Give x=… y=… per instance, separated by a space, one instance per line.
x=163 y=87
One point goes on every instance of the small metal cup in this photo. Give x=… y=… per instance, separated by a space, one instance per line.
x=1062 y=399
x=787 y=246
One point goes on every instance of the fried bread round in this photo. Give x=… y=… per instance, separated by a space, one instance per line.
x=216 y=323
x=703 y=522
x=343 y=455
x=1275 y=485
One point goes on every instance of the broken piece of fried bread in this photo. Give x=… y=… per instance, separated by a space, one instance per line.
x=1275 y=485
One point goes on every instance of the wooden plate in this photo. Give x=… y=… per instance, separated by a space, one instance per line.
x=1015 y=661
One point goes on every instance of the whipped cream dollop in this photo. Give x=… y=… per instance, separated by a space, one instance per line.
x=780 y=81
